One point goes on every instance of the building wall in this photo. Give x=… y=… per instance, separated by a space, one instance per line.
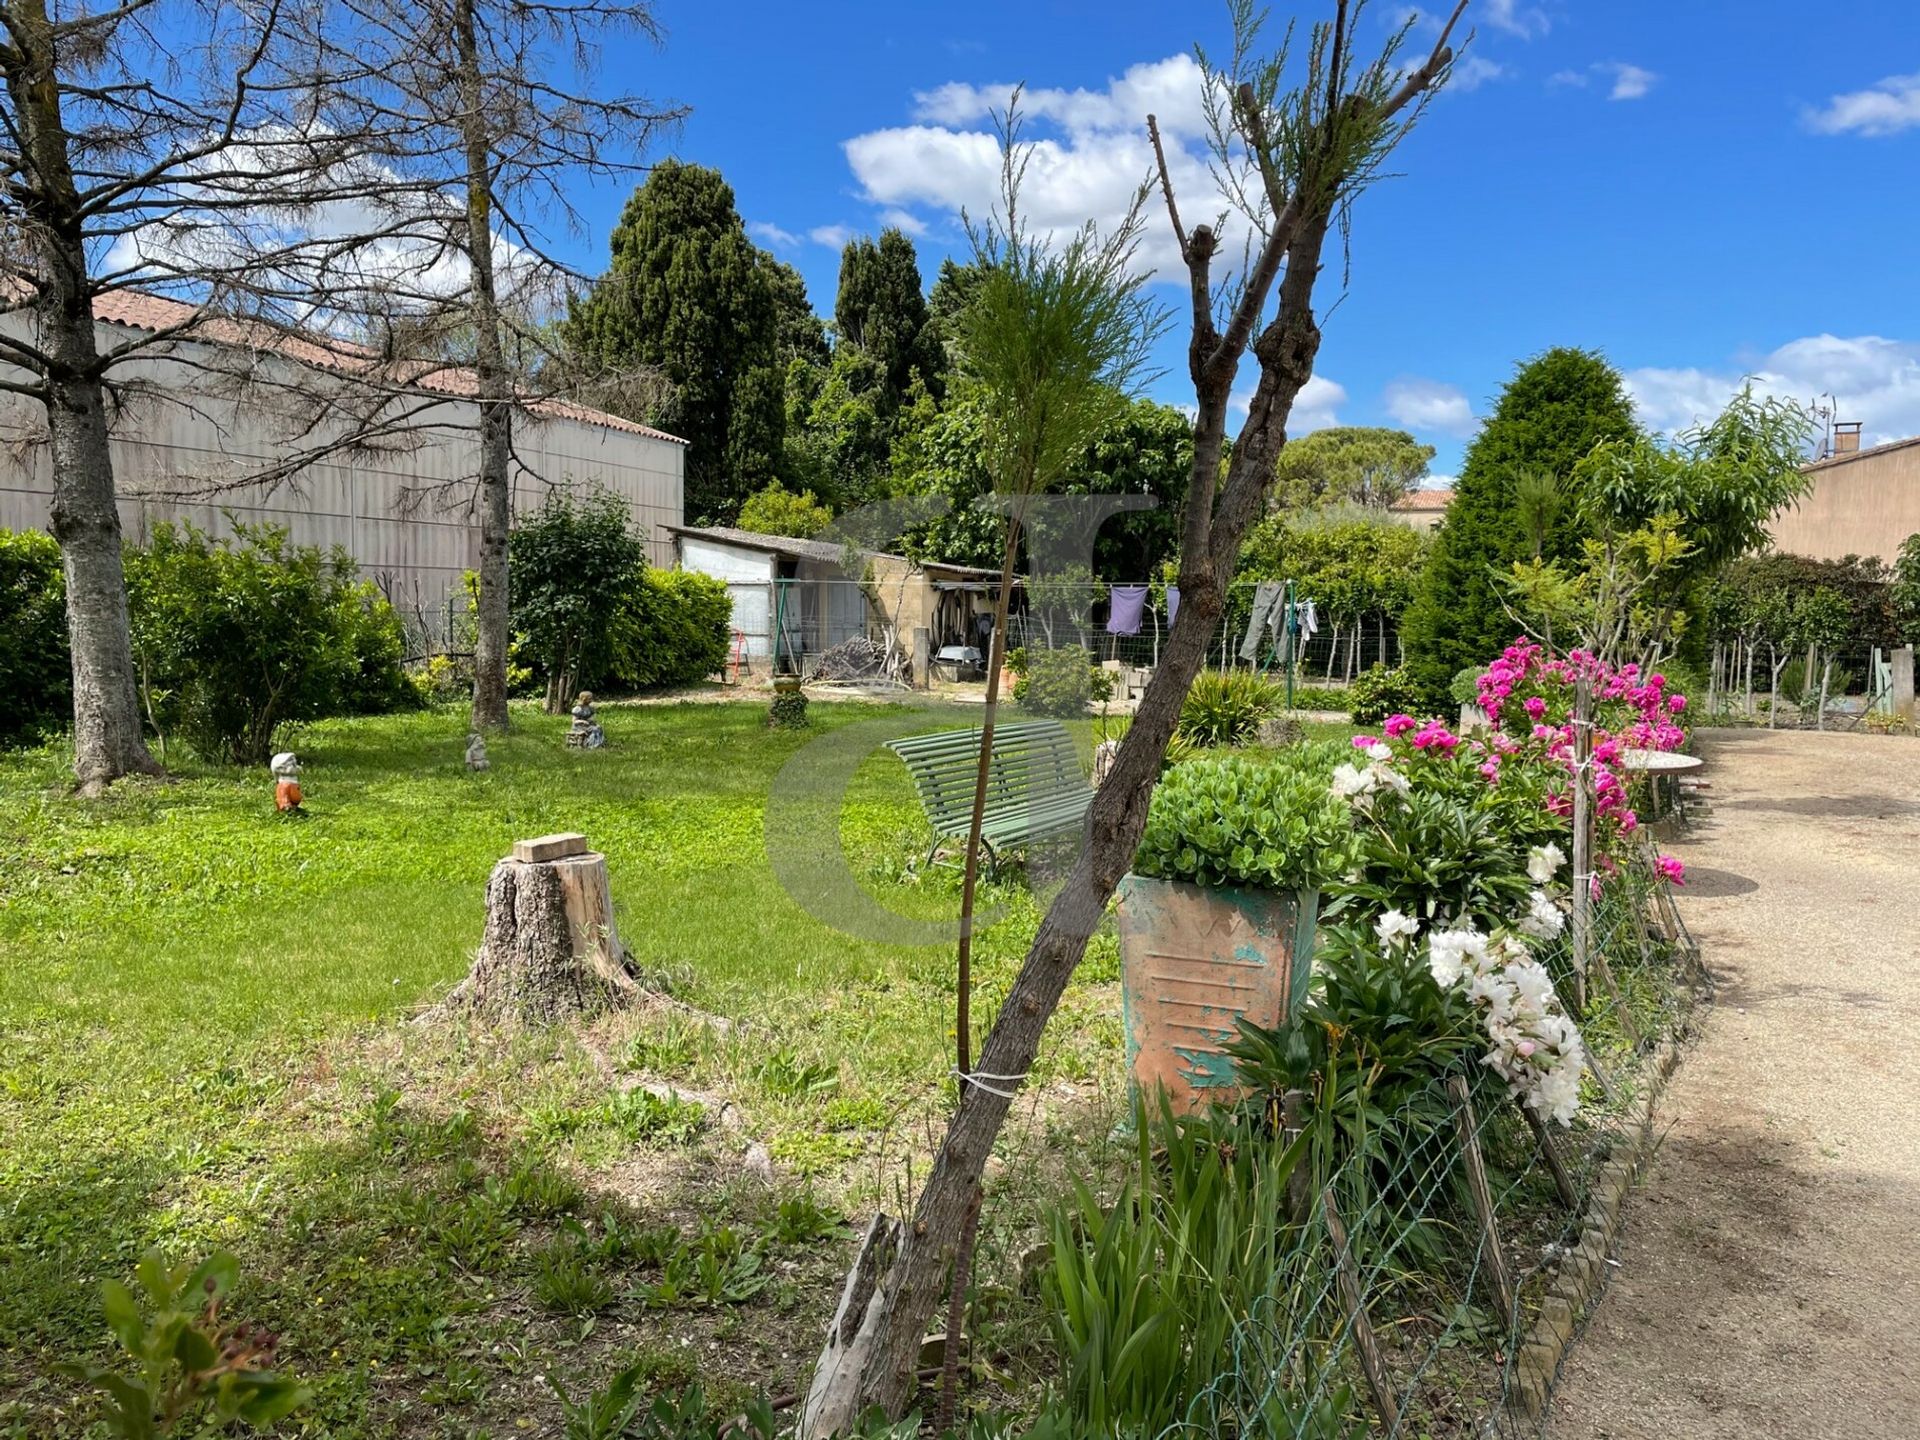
x=404 y=514
x=1863 y=506
x=748 y=576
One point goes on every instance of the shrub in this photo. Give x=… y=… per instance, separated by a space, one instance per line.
x=778 y=511
x=575 y=564
x=1058 y=682
x=1378 y=692
x=36 y=679
x=672 y=629
x=1320 y=697
x=1465 y=689
x=1229 y=820
x=1225 y=707
x=235 y=638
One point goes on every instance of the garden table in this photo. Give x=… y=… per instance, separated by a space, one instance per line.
x=1661 y=766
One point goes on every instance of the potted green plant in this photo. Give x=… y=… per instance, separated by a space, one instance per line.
x=1217 y=917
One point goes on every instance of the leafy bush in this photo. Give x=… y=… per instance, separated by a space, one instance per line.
x=575 y=563
x=1057 y=682
x=1320 y=697
x=36 y=679
x=778 y=511
x=235 y=638
x=672 y=629
x=1465 y=689
x=1378 y=692
x=1230 y=820
x=1225 y=707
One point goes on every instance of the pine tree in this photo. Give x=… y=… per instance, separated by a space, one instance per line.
x=1557 y=407
x=690 y=294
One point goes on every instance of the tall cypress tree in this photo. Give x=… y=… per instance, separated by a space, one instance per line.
x=1557 y=407
x=690 y=294
x=881 y=309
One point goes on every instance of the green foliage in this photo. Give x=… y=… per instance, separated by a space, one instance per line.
x=36 y=679
x=566 y=1280
x=778 y=511
x=574 y=561
x=1061 y=683
x=1378 y=692
x=193 y=1373
x=235 y=638
x=1349 y=464
x=688 y=294
x=799 y=333
x=1439 y=857
x=1905 y=595
x=1552 y=414
x=1353 y=567
x=880 y=309
x=673 y=627
x=1225 y=707
x=1271 y=824
x=1753 y=598
x=1465 y=689
x=789 y=708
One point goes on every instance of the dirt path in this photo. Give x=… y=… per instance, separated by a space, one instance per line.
x=1770 y=1277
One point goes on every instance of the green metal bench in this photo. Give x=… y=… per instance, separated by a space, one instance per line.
x=1035 y=787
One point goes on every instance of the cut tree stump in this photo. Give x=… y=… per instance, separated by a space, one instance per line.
x=550 y=951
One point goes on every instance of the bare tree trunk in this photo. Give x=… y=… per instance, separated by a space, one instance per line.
x=1826 y=679
x=1747 y=645
x=107 y=740
x=495 y=497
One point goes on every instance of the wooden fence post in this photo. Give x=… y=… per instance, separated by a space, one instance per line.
x=1348 y=1276
x=1483 y=1201
x=1293 y=1104
x=1550 y=1152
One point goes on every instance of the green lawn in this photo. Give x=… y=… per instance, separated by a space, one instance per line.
x=205 y=1013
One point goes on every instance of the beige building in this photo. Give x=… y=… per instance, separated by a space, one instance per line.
x=1422 y=509
x=403 y=510
x=1863 y=502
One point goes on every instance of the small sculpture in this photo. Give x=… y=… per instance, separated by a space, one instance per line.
x=286 y=783
x=476 y=751
x=583 y=734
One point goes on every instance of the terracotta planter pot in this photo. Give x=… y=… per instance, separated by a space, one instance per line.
x=1193 y=960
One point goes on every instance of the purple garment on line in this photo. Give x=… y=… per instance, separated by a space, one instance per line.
x=1173 y=603
x=1125 y=605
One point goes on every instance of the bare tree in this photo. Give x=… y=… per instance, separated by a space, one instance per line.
x=1291 y=161
x=114 y=131
x=482 y=117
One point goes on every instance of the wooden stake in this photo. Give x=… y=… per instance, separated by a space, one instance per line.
x=1483 y=1201
x=1351 y=1299
x=1550 y=1152
x=1293 y=1106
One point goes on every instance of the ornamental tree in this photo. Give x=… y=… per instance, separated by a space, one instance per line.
x=1350 y=464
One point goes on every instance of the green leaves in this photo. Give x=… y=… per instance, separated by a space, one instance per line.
x=193 y=1375
x=1231 y=820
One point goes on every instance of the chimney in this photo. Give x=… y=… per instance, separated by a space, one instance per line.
x=1846 y=437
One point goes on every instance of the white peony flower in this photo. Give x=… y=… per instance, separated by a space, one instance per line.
x=1543 y=919
x=1394 y=926
x=1350 y=781
x=1379 y=750
x=1544 y=862
x=1387 y=775
x=1455 y=955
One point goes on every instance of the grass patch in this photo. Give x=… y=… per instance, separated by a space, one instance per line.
x=204 y=1041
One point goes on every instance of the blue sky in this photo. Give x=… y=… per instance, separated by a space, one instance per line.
x=1700 y=188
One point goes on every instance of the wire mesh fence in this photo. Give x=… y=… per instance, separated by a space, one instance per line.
x=1402 y=1300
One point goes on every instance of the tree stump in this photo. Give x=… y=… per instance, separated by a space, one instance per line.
x=550 y=951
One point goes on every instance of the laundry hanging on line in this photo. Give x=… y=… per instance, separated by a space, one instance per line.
x=1267 y=596
x=1126 y=604
x=1173 y=603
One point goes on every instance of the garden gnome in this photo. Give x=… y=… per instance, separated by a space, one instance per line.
x=286 y=782
x=476 y=751
x=583 y=734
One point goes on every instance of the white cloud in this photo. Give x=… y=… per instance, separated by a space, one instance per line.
x=1886 y=108
x=904 y=220
x=1473 y=72
x=1630 y=82
x=1873 y=380
x=1516 y=19
x=1089 y=155
x=1439 y=482
x=1313 y=408
x=834 y=237
x=771 y=233
x=1422 y=404
x=1577 y=79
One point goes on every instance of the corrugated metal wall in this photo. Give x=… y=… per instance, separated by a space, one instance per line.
x=404 y=515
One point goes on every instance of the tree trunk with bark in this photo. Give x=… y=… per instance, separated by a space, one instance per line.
x=550 y=951
x=107 y=738
x=495 y=498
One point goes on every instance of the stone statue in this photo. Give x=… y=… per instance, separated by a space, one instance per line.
x=476 y=751
x=286 y=782
x=584 y=734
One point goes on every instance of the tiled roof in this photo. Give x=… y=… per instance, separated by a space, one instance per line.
x=1853 y=455
x=1423 y=500
x=154 y=313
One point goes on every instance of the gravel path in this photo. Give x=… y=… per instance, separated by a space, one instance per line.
x=1770 y=1275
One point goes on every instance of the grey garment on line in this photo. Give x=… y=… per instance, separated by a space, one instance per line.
x=1267 y=596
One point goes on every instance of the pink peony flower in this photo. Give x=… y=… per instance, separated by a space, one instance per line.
x=1676 y=703
x=1398 y=725
x=1535 y=706
x=1671 y=869
x=1365 y=742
